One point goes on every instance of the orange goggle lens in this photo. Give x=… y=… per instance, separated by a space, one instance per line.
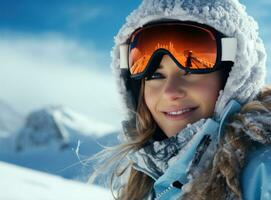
x=192 y=46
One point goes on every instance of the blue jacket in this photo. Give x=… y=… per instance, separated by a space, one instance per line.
x=255 y=178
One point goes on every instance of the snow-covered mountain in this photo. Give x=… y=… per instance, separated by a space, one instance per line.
x=18 y=183
x=58 y=140
x=58 y=124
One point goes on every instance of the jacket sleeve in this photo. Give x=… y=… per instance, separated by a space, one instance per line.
x=256 y=176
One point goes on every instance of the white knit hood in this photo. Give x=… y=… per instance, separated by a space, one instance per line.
x=227 y=16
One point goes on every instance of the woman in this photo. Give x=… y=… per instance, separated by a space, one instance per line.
x=198 y=125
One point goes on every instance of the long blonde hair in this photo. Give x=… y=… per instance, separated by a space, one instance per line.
x=139 y=184
x=221 y=177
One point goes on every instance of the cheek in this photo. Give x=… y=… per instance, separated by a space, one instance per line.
x=149 y=97
x=207 y=92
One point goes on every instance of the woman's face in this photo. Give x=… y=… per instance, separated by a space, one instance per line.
x=175 y=99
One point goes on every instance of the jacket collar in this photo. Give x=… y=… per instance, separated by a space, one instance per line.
x=192 y=159
x=155 y=158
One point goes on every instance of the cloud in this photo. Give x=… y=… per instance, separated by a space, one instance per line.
x=50 y=69
x=50 y=49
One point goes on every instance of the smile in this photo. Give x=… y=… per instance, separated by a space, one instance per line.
x=179 y=114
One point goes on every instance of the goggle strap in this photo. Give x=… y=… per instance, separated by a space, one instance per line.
x=229 y=48
x=124 y=56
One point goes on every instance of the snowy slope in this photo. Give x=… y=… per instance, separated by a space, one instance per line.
x=58 y=140
x=19 y=183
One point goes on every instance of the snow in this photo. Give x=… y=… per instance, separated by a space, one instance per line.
x=48 y=157
x=18 y=183
x=57 y=140
x=78 y=121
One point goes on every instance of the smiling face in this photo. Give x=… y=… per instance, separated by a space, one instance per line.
x=175 y=99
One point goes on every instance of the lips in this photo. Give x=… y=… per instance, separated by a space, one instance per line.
x=181 y=113
x=179 y=110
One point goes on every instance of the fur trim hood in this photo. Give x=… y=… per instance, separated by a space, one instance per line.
x=227 y=16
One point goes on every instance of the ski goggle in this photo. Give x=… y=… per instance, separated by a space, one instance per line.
x=194 y=47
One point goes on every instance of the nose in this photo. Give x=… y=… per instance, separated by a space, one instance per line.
x=174 y=88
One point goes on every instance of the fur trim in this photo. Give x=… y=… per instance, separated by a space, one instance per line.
x=248 y=127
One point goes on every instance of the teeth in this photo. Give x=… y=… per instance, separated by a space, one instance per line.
x=179 y=112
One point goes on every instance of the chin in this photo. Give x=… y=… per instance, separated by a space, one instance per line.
x=173 y=133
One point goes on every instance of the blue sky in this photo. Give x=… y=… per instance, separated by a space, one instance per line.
x=58 y=52
x=95 y=20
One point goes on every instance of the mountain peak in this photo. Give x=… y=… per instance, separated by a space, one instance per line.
x=61 y=125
